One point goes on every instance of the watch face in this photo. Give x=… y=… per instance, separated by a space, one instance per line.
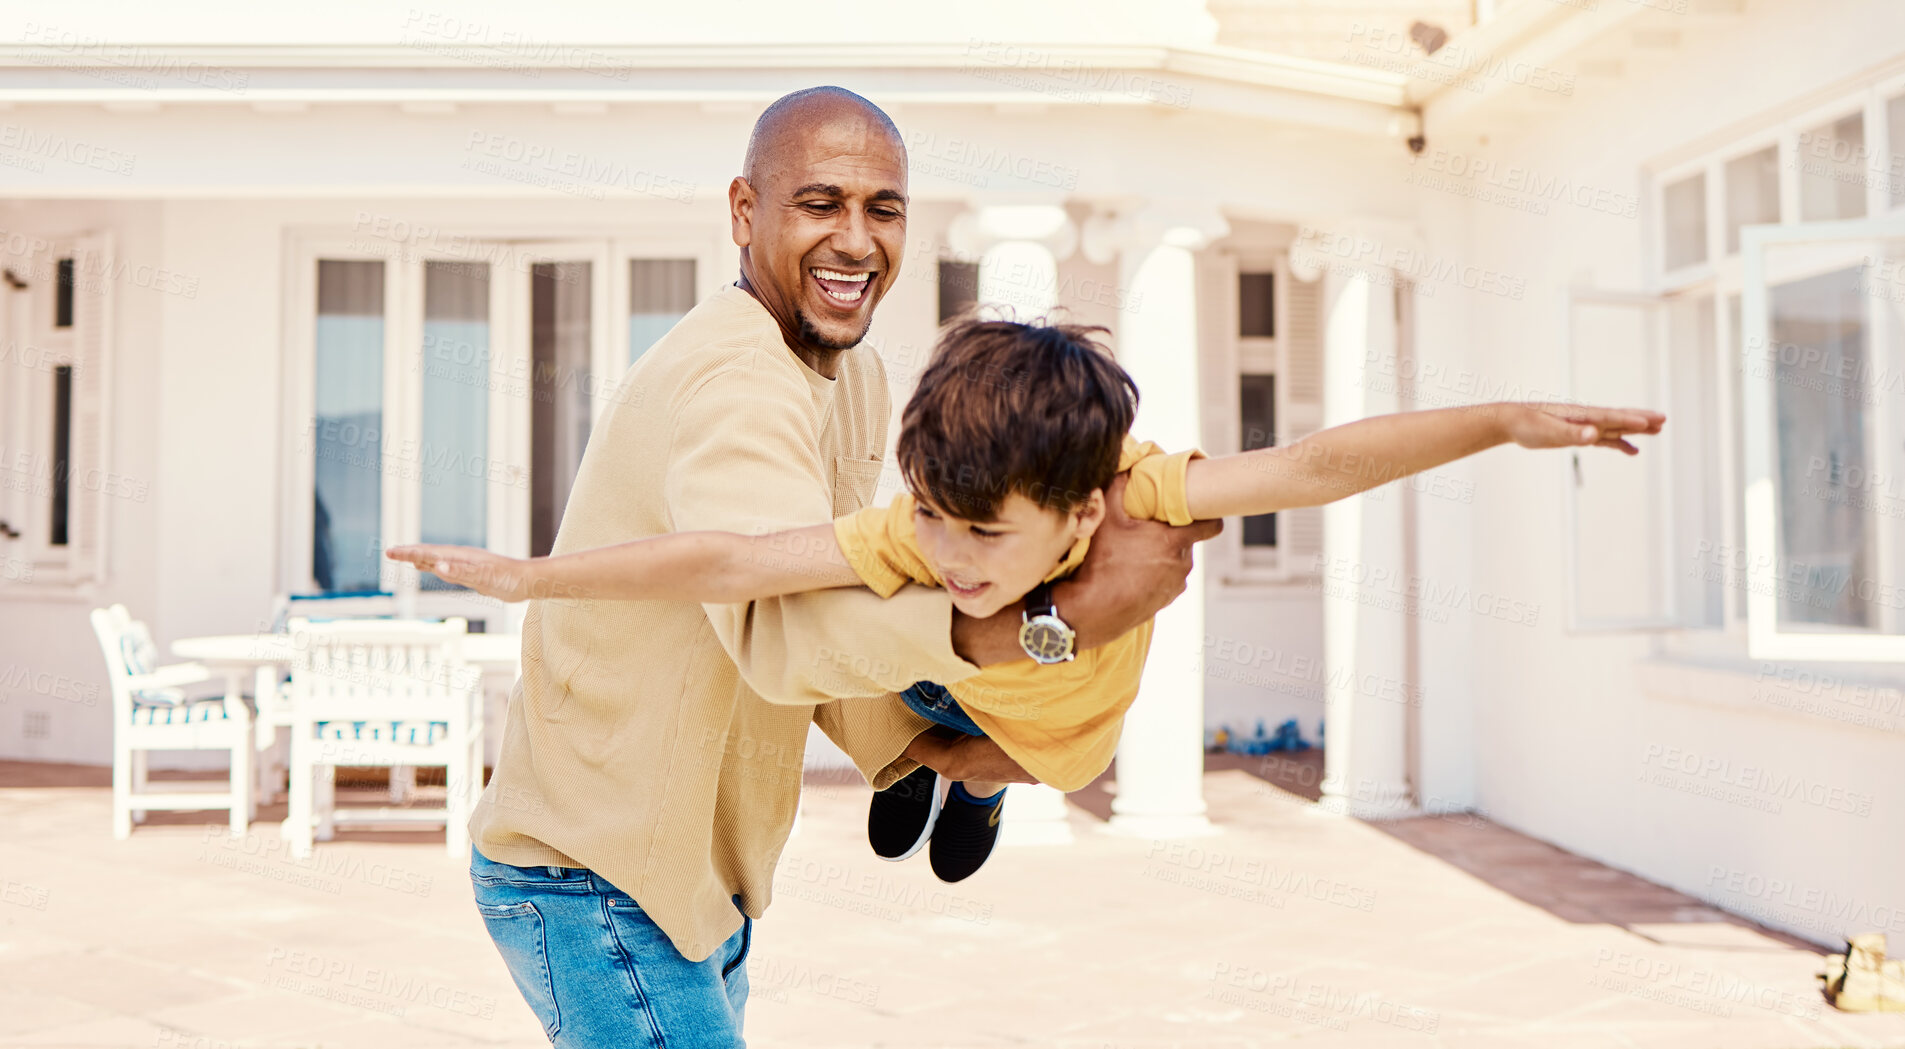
x=1046 y=639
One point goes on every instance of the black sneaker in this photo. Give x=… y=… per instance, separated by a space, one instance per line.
x=901 y=817
x=964 y=834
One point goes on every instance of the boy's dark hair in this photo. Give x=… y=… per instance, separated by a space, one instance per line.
x=1041 y=410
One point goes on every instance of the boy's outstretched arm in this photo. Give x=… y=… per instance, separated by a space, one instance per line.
x=1343 y=460
x=705 y=567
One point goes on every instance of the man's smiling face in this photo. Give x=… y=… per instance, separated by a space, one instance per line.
x=821 y=222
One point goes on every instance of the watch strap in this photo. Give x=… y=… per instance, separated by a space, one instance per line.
x=1038 y=602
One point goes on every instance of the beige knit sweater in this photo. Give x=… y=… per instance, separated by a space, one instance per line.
x=658 y=743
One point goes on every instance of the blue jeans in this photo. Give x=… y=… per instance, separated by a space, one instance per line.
x=932 y=702
x=598 y=972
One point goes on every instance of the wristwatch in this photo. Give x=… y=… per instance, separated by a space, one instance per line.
x=1045 y=637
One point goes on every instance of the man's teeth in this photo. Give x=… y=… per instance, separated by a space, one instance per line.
x=854 y=295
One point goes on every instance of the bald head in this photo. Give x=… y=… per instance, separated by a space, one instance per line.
x=793 y=121
x=820 y=218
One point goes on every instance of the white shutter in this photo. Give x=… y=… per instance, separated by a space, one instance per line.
x=92 y=481
x=1300 y=538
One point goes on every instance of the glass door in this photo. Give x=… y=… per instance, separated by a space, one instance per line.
x=562 y=322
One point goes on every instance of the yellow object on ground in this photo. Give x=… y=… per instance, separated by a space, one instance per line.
x=1862 y=981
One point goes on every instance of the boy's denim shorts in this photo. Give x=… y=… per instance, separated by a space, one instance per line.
x=932 y=702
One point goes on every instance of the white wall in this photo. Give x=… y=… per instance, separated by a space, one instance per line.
x=1570 y=729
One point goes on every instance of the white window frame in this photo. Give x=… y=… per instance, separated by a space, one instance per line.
x=1764 y=638
x=1721 y=277
x=1238 y=565
x=36 y=568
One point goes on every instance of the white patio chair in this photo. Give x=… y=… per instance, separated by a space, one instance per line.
x=382 y=693
x=272 y=708
x=151 y=711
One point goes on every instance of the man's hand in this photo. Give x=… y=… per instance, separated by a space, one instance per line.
x=967 y=759
x=489 y=574
x=1133 y=569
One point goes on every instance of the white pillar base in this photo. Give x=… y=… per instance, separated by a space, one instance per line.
x=1034 y=815
x=1161 y=827
x=1381 y=808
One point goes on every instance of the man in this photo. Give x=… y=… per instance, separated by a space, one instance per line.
x=651 y=763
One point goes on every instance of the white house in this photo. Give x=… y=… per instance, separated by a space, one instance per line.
x=280 y=292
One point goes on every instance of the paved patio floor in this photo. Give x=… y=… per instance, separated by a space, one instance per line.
x=1291 y=927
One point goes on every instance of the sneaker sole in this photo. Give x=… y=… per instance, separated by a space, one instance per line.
x=941 y=786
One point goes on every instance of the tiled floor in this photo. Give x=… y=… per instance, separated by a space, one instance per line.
x=1293 y=926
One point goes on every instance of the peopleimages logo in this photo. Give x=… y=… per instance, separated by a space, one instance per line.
x=1526 y=181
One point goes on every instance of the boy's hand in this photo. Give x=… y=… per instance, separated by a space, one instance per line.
x=489 y=574
x=1555 y=425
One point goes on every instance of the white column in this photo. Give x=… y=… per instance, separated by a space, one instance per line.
x=1160 y=768
x=1019 y=247
x=1366 y=595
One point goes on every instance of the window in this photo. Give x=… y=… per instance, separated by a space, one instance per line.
x=347 y=532
x=1827 y=323
x=1272 y=331
x=456 y=351
x=660 y=292
x=1257 y=407
x=63 y=295
x=560 y=343
x=1256 y=305
x=1823 y=310
x=1895 y=163
x=1684 y=205
x=1752 y=192
x=958 y=287
x=57 y=488
x=1832 y=175
x=59 y=526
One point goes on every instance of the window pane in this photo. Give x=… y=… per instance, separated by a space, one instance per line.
x=1752 y=193
x=456 y=370
x=660 y=292
x=1895 y=164
x=1832 y=171
x=1685 y=206
x=1257 y=407
x=1256 y=305
x=1826 y=564
x=559 y=339
x=63 y=295
x=347 y=535
x=62 y=453
x=958 y=287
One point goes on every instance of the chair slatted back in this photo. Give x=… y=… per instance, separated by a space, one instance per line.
x=381 y=671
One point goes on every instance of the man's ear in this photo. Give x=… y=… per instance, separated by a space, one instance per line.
x=1090 y=514
x=741 y=211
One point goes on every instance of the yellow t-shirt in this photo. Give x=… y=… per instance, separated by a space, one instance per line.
x=1061 y=722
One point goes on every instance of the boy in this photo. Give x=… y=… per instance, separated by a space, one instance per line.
x=1007 y=448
